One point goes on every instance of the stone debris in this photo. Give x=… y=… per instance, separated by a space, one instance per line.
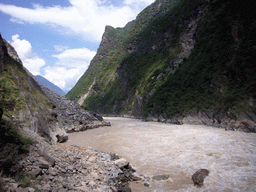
x=70 y=115
x=58 y=167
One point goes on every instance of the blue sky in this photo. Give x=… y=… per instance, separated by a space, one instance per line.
x=57 y=39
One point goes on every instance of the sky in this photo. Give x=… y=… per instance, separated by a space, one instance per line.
x=57 y=39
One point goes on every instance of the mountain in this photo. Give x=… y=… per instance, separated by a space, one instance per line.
x=33 y=105
x=30 y=111
x=180 y=61
x=50 y=85
x=32 y=119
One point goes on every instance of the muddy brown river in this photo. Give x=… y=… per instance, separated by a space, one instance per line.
x=178 y=151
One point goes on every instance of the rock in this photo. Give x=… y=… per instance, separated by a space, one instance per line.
x=49 y=159
x=70 y=115
x=245 y=127
x=62 y=190
x=12 y=185
x=43 y=164
x=146 y=184
x=121 y=163
x=53 y=172
x=30 y=189
x=198 y=177
x=62 y=138
x=160 y=177
x=100 y=118
x=47 y=187
x=35 y=172
x=126 y=188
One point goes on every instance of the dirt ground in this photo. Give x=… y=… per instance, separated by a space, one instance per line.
x=178 y=151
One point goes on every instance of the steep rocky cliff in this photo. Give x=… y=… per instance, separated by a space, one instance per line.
x=180 y=61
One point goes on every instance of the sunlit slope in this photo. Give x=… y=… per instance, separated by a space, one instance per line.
x=176 y=57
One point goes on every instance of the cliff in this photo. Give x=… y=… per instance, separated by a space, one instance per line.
x=180 y=61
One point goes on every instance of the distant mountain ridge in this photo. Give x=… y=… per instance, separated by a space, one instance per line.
x=50 y=85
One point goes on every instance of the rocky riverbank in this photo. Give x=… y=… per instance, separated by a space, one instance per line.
x=59 y=168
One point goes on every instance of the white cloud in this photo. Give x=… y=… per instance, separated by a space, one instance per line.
x=60 y=48
x=34 y=65
x=138 y=2
x=85 y=17
x=63 y=77
x=30 y=60
x=23 y=47
x=75 y=57
x=71 y=65
x=15 y=20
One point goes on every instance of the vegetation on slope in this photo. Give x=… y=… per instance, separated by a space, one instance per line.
x=103 y=65
x=12 y=144
x=21 y=104
x=220 y=70
x=218 y=73
x=116 y=43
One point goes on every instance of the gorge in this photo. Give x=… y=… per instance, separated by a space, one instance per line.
x=184 y=74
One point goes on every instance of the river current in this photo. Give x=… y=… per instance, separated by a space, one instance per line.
x=178 y=151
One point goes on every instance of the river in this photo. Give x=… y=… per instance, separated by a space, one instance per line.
x=178 y=151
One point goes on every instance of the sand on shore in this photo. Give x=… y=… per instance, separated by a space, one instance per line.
x=178 y=151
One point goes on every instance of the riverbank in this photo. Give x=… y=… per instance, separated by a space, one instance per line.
x=177 y=151
x=58 y=167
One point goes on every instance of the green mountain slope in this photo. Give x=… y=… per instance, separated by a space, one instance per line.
x=177 y=58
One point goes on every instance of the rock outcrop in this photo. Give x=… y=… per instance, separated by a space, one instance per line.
x=70 y=115
x=244 y=122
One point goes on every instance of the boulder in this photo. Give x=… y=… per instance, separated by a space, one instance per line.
x=61 y=138
x=121 y=163
x=160 y=177
x=35 y=172
x=198 y=177
x=43 y=164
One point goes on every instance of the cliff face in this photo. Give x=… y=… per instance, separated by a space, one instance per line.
x=179 y=61
x=22 y=100
x=29 y=104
